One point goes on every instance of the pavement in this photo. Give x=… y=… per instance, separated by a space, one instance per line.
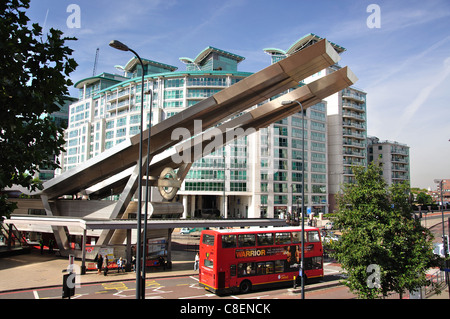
x=37 y=271
x=33 y=270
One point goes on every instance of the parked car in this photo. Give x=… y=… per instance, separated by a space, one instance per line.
x=329 y=225
x=185 y=231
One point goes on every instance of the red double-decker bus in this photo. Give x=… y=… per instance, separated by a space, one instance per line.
x=242 y=259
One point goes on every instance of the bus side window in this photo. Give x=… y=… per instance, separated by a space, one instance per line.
x=313 y=236
x=232 y=270
x=246 y=269
x=246 y=240
x=282 y=238
x=296 y=237
x=228 y=241
x=313 y=263
x=279 y=266
x=265 y=239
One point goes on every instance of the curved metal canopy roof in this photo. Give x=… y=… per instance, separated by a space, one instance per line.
x=134 y=61
x=300 y=44
x=202 y=55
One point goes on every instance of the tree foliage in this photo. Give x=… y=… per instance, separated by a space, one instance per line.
x=33 y=78
x=383 y=249
x=424 y=199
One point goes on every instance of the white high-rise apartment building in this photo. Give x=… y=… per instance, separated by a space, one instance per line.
x=346 y=123
x=393 y=157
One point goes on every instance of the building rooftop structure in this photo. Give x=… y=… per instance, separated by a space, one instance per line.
x=213 y=59
x=300 y=44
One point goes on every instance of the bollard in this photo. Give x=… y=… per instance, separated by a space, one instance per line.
x=68 y=289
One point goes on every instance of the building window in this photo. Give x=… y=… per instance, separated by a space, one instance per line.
x=238 y=187
x=264 y=187
x=318 y=178
x=109 y=135
x=280 y=188
x=173 y=94
x=280 y=199
x=264 y=199
x=238 y=175
x=280 y=176
x=280 y=130
x=297 y=166
x=121 y=132
x=207 y=81
x=174 y=83
x=316 y=136
x=201 y=93
x=297 y=177
x=122 y=121
x=264 y=176
x=281 y=141
x=318 y=157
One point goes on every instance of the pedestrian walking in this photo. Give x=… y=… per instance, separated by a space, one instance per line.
x=133 y=263
x=99 y=260
x=196 y=261
x=105 y=265
x=162 y=262
x=51 y=243
x=41 y=244
x=120 y=264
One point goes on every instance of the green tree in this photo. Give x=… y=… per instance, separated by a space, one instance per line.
x=424 y=199
x=382 y=248
x=33 y=78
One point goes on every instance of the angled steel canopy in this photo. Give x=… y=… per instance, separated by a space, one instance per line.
x=244 y=94
x=257 y=118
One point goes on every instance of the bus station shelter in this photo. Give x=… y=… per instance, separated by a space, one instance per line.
x=129 y=225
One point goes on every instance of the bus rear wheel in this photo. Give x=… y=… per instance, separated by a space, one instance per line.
x=245 y=286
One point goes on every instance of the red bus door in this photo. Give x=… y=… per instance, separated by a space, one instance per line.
x=221 y=280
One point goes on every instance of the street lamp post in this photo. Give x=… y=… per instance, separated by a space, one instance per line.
x=147 y=189
x=444 y=242
x=303 y=195
x=140 y=264
x=224 y=182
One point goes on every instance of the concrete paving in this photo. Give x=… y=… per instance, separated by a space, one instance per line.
x=33 y=270
x=36 y=270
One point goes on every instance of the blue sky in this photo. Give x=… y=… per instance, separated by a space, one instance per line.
x=404 y=66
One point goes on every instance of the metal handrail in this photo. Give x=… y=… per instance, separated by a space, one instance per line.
x=436 y=283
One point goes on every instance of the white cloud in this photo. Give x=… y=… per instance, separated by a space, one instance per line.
x=423 y=96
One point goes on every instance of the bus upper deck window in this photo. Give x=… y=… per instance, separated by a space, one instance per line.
x=208 y=240
x=282 y=238
x=228 y=241
x=313 y=236
x=246 y=240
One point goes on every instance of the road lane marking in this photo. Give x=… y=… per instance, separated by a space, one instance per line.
x=200 y=296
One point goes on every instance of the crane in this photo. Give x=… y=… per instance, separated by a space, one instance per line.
x=95 y=62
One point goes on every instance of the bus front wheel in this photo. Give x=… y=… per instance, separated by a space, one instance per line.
x=245 y=286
